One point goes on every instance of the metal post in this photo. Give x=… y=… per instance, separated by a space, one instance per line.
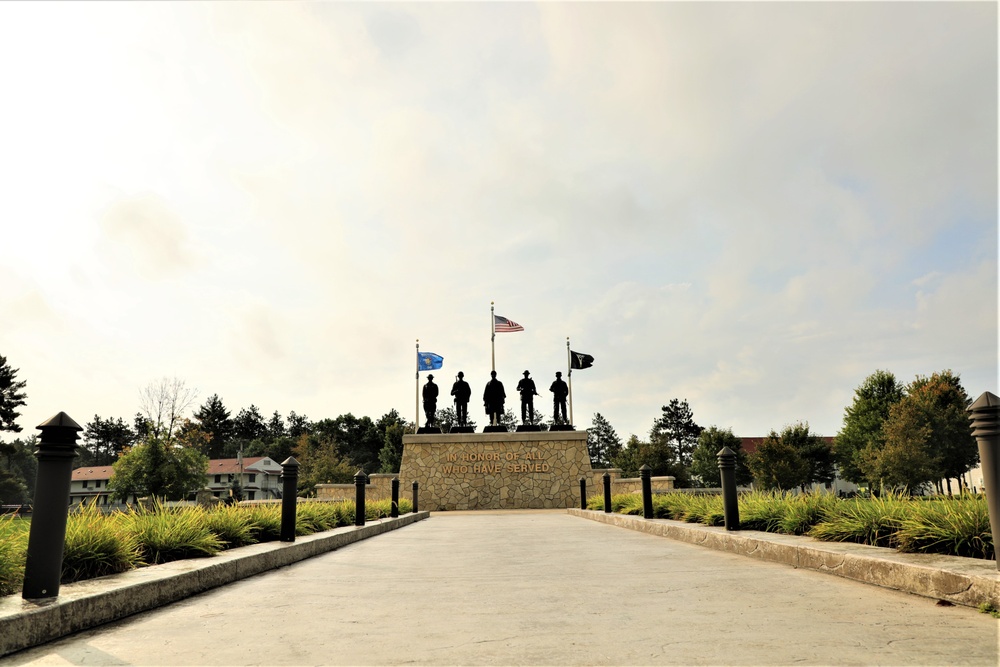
x=47 y=534
x=607 y=492
x=730 y=504
x=645 y=473
x=394 y=508
x=415 y=506
x=583 y=493
x=289 y=498
x=986 y=427
x=360 y=479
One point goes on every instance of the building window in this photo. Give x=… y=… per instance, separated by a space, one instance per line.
x=253 y=478
x=97 y=484
x=250 y=495
x=215 y=493
x=84 y=483
x=218 y=480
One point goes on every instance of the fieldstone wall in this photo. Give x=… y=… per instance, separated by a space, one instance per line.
x=539 y=470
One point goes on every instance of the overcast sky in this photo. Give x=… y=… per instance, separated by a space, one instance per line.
x=750 y=206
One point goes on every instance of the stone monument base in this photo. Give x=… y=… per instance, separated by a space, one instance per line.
x=497 y=470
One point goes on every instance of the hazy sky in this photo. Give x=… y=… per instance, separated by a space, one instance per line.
x=752 y=206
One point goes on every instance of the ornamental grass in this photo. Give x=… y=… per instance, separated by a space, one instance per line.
x=97 y=545
x=954 y=526
x=166 y=535
x=233 y=525
x=873 y=521
x=13 y=547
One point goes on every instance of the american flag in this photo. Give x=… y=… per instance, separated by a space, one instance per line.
x=502 y=324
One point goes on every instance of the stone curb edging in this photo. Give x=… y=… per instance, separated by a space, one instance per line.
x=86 y=604
x=965 y=581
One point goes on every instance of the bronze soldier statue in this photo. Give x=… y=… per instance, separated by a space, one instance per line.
x=526 y=387
x=493 y=398
x=559 y=393
x=462 y=393
x=430 y=399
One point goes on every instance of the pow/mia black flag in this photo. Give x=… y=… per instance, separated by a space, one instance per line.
x=580 y=360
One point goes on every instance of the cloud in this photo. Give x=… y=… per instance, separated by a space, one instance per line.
x=145 y=235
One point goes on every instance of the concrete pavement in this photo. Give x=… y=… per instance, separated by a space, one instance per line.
x=536 y=588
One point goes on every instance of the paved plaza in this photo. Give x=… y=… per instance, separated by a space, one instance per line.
x=535 y=588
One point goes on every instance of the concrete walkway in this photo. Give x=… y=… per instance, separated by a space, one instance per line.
x=536 y=588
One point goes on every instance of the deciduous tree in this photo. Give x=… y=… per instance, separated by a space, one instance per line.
x=864 y=420
x=158 y=469
x=777 y=464
x=163 y=404
x=705 y=461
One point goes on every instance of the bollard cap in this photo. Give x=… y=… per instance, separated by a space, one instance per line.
x=985 y=415
x=725 y=451
x=290 y=462
x=62 y=421
x=359 y=475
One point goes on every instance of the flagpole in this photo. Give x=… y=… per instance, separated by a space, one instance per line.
x=416 y=393
x=569 y=374
x=493 y=338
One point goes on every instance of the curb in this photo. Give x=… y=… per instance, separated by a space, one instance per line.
x=965 y=581
x=93 y=602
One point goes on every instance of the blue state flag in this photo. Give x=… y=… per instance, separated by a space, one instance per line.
x=428 y=361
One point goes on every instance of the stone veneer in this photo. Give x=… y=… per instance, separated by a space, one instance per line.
x=496 y=470
x=491 y=471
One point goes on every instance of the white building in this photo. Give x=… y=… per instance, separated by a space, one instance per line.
x=258 y=475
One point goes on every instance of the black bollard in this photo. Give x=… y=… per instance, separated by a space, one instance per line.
x=583 y=493
x=607 y=492
x=47 y=534
x=986 y=427
x=415 y=510
x=360 y=479
x=645 y=473
x=289 y=498
x=394 y=509
x=730 y=504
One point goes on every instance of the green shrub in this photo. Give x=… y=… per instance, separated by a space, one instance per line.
x=165 y=535
x=955 y=526
x=96 y=545
x=703 y=509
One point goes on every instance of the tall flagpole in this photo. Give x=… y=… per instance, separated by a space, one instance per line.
x=417 y=392
x=569 y=374
x=493 y=338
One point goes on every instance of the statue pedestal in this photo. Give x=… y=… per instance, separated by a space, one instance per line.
x=562 y=427
x=539 y=470
x=529 y=428
x=462 y=429
x=428 y=429
x=499 y=428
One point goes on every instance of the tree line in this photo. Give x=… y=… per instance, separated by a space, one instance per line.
x=894 y=436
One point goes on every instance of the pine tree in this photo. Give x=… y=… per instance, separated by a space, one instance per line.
x=603 y=443
x=11 y=397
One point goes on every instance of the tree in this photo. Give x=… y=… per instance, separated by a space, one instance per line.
x=157 y=469
x=11 y=397
x=275 y=426
x=777 y=464
x=904 y=460
x=214 y=419
x=248 y=425
x=603 y=444
x=705 y=461
x=163 y=404
x=357 y=439
x=815 y=453
x=927 y=436
x=946 y=404
x=18 y=470
x=631 y=457
x=392 y=427
x=298 y=424
x=106 y=439
x=320 y=462
x=447 y=419
x=864 y=420
x=676 y=431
